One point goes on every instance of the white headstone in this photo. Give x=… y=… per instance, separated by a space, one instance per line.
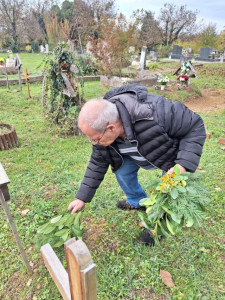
x=143 y=57
x=46 y=48
x=10 y=62
x=42 y=49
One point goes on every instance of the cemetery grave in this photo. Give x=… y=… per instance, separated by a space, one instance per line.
x=50 y=172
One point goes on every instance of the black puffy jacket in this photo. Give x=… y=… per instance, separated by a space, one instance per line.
x=167 y=133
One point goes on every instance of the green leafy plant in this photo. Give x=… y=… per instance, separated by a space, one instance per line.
x=60 y=229
x=176 y=201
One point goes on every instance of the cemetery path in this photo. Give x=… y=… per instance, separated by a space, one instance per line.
x=210 y=101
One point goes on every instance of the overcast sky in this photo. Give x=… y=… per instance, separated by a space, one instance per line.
x=212 y=11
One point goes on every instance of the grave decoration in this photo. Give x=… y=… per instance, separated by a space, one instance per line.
x=163 y=82
x=176 y=201
x=60 y=229
x=183 y=78
x=1 y=61
x=62 y=90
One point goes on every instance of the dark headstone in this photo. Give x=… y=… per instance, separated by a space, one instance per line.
x=204 y=55
x=177 y=52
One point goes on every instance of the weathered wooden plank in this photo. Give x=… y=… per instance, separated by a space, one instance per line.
x=14 y=230
x=7 y=136
x=4 y=179
x=81 y=271
x=89 y=283
x=5 y=143
x=57 y=271
x=2 y=147
x=73 y=269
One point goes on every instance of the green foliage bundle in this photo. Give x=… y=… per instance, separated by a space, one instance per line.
x=60 y=229
x=176 y=201
x=61 y=106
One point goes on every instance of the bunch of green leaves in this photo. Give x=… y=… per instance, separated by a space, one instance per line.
x=60 y=107
x=176 y=201
x=60 y=229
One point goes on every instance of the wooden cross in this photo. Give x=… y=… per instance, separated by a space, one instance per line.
x=80 y=281
x=4 y=196
x=26 y=75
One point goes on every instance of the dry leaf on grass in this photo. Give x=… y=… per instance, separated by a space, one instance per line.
x=140 y=224
x=167 y=278
x=25 y=212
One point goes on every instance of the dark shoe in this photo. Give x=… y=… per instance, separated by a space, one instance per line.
x=147 y=238
x=125 y=205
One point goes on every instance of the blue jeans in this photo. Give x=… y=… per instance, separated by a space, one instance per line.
x=128 y=181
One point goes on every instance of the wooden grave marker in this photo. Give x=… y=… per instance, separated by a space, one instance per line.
x=80 y=281
x=5 y=196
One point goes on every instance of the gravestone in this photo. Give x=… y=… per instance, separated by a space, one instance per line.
x=143 y=58
x=176 y=53
x=153 y=55
x=204 y=55
x=10 y=62
x=46 y=48
x=42 y=49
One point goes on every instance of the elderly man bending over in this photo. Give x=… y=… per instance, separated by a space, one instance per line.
x=130 y=129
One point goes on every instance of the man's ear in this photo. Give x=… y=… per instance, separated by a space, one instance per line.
x=111 y=127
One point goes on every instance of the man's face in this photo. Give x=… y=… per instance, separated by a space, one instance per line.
x=105 y=138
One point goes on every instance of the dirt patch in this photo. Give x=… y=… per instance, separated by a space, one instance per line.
x=146 y=294
x=210 y=101
x=97 y=233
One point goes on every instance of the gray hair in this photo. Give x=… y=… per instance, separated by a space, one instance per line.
x=98 y=113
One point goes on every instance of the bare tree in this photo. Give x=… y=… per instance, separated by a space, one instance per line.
x=11 y=17
x=176 y=22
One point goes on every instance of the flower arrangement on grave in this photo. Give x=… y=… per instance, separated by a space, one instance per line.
x=60 y=229
x=1 y=61
x=163 y=82
x=176 y=201
x=183 y=78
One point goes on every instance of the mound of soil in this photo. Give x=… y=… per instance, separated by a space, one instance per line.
x=210 y=101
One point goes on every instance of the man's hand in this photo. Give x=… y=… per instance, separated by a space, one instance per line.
x=182 y=170
x=75 y=205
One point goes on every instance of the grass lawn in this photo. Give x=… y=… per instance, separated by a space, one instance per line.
x=45 y=172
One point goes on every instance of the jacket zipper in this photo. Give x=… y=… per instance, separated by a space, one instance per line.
x=137 y=151
x=143 y=156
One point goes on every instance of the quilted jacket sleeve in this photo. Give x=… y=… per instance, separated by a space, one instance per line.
x=187 y=127
x=95 y=172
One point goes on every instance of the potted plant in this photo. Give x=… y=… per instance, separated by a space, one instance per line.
x=176 y=201
x=163 y=82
